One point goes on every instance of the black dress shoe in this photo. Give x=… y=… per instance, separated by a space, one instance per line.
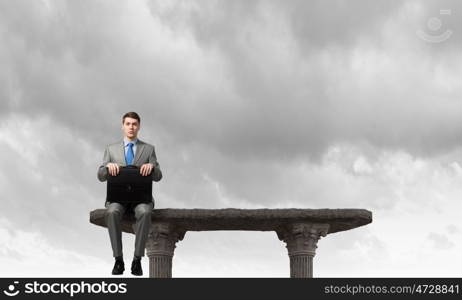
x=136 y=267
x=119 y=268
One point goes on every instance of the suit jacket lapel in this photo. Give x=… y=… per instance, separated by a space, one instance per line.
x=121 y=154
x=139 y=151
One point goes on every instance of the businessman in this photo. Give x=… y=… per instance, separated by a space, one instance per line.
x=129 y=151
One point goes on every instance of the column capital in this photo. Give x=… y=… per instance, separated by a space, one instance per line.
x=302 y=238
x=162 y=239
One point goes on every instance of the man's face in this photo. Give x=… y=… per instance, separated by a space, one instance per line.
x=130 y=128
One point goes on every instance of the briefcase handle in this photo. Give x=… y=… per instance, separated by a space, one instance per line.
x=130 y=167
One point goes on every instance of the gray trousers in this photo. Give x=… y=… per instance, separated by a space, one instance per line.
x=114 y=214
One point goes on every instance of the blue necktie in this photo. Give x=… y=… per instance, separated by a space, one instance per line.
x=129 y=155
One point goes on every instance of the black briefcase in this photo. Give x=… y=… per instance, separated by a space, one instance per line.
x=129 y=186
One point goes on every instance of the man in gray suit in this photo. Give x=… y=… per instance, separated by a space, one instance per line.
x=130 y=151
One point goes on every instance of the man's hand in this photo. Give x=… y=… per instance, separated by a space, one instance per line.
x=146 y=169
x=113 y=168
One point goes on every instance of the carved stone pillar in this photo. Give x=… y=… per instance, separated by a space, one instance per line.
x=160 y=247
x=301 y=241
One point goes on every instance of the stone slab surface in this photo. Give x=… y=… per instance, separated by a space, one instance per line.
x=263 y=219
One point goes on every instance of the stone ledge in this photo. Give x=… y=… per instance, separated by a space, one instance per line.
x=263 y=219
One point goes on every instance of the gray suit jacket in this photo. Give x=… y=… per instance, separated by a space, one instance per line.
x=115 y=153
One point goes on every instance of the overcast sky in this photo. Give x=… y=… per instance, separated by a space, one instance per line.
x=250 y=104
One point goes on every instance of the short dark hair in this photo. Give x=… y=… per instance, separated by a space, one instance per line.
x=132 y=115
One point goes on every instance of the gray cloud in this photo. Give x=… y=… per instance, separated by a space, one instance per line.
x=293 y=64
x=267 y=82
x=439 y=241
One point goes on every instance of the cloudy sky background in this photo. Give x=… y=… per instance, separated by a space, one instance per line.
x=250 y=104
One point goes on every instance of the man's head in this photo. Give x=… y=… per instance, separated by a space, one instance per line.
x=131 y=125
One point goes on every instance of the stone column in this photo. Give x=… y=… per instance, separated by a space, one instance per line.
x=160 y=247
x=301 y=241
